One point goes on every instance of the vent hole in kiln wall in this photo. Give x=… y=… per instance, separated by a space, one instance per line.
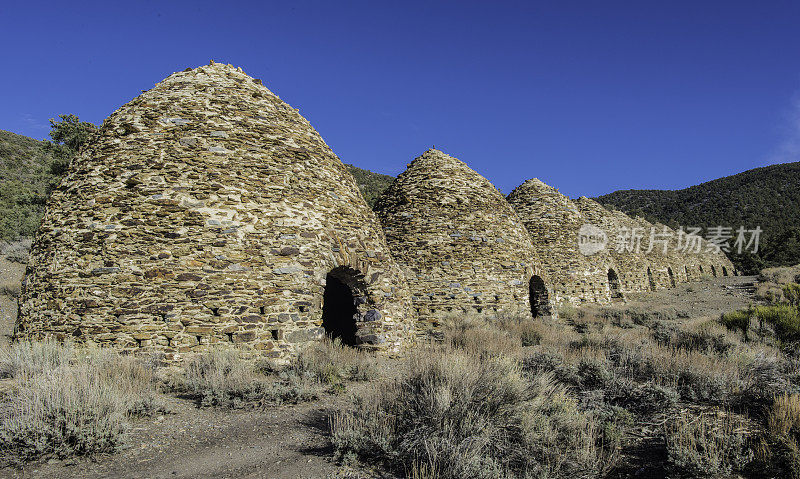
x=613 y=285
x=540 y=302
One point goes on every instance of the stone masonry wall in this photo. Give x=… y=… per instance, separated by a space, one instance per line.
x=459 y=241
x=209 y=212
x=553 y=222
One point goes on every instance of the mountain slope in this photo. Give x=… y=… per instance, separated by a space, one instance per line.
x=372 y=184
x=768 y=197
x=26 y=175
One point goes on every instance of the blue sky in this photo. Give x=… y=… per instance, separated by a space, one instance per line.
x=588 y=96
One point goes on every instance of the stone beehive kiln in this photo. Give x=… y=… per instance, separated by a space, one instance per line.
x=208 y=211
x=554 y=222
x=461 y=245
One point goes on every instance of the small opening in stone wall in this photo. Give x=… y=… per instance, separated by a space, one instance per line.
x=651 y=282
x=724 y=271
x=275 y=334
x=713 y=271
x=215 y=311
x=199 y=339
x=303 y=308
x=539 y=300
x=497 y=297
x=686 y=270
x=262 y=310
x=339 y=300
x=613 y=285
x=230 y=336
x=671 y=277
x=701 y=270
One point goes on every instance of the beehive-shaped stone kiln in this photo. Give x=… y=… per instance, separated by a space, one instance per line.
x=555 y=225
x=459 y=242
x=208 y=211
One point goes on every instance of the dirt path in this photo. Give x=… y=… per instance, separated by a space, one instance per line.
x=279 y=442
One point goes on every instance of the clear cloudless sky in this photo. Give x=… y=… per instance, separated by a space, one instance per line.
x=588 y=96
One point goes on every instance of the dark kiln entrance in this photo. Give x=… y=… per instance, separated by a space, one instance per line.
x=614 y=286
x=340 y=305
x=540 y=302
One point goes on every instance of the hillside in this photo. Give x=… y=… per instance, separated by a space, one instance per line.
x=371 y=184
x=26 y=174
x=768 y=197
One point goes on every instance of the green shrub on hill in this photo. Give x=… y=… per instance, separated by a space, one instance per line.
x=30 y=169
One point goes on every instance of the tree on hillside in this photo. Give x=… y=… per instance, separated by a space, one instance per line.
x=69 y=134
x=30 y=169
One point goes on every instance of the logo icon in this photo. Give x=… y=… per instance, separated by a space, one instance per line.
x=591 y=239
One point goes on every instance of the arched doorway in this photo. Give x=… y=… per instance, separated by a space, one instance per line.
x=651 y=282
x=344 y=292
x=713 y=271
x=539 y=298
x=671 y=277
x=724 y=271
x=614 y=285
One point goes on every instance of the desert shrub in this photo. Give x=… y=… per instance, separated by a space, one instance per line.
x=701 y=387
x=780 y=275
x=543 y=362
x=646 y=398
x=65 y=403
x=645 y=316
x=781 y=441
x=26 y=358
x=463 y=416
x=593 y=374
x=567 y=311
x=530 y=337
x=737 y=320
x=478 y=336
x=791 y=293
x=764 y=379
x=331 y=362
x=709 y=444
x=68 y=411
x=784 y=318
x=224 y=378
x=701 y=339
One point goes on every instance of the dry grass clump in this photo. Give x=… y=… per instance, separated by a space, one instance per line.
x=331 y=362
x=455 y=415
x=780 y=444
x=229 y=378
x=32 y=358
x=708 y=444
x=65 y=401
